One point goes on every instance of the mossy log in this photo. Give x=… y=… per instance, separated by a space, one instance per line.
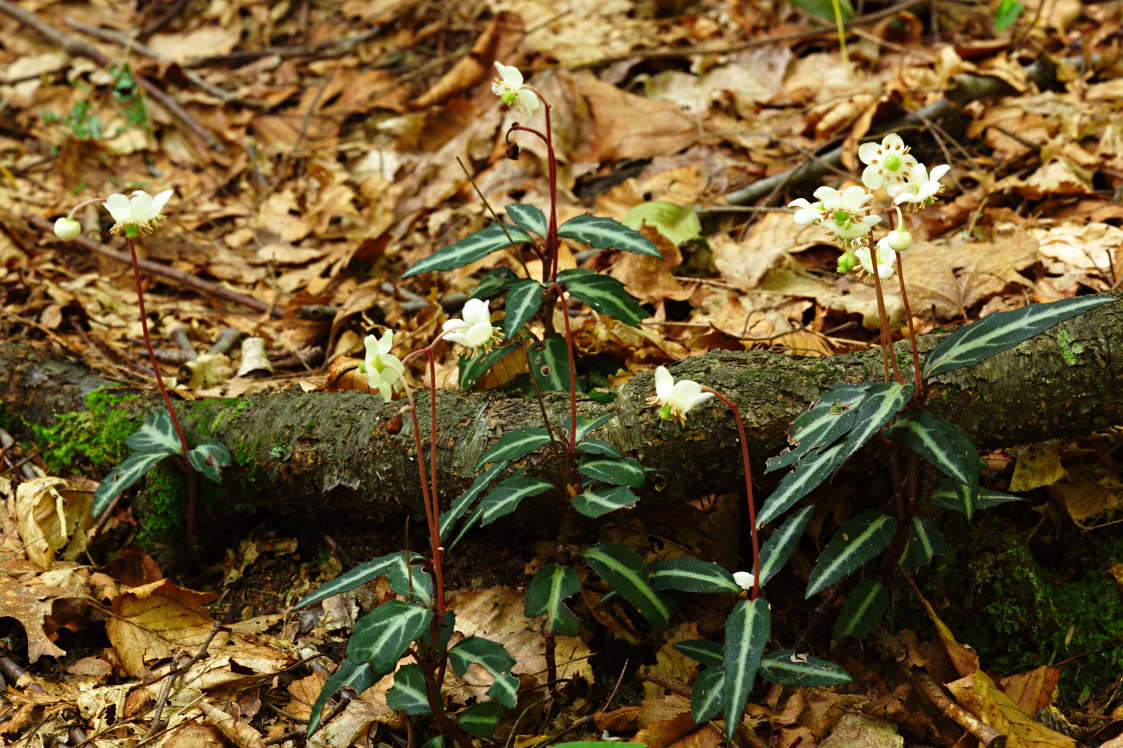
x=341 y=458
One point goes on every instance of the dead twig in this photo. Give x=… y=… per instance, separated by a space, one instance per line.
x=170 y=679
x=163 y=271
x=332 y=48
x=78 y=48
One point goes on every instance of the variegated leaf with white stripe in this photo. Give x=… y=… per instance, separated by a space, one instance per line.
x=863 y=609
x=705 y=652
x=925 y=541
x=524 y=298
x=623 y=569
x=209 y=457
x=603 y=293
x=464 y=501
x=1000 y=331
x=618 y=472
x=357 y=676
x=599 y=447
x=406 y=579
x=515 y=444
x=825 y=422
x=605 y=233
x=747 y=630
x=408 y=693
x=121 y=477
x=789 y=668
x=940 y=442
x=809 y=472
x=505 y=498
x=527 y=217
x=954 y=495
x=586 y=427
x=470 y=249
x=782 y=542
x=858 y=541
x=480 y=719
x=156 y=435
x=705 y=696
x=382 y=636
x=546 y=596
x=598 y=501
x=691 y=575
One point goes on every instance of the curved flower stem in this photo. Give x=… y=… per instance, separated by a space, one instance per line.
x=550 y=266
x=748 y=484
x=148 y=346
x=83 y=204
x=887 y=351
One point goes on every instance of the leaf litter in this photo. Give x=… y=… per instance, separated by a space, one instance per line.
x=316 y=156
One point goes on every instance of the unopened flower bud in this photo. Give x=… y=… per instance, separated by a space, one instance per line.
x=899 y=240
x=67 y=229
x=846 y=262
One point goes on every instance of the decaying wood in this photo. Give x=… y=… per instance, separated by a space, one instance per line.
x=343 y=457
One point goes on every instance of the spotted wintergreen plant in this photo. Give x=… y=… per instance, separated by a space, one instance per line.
x=161 y=436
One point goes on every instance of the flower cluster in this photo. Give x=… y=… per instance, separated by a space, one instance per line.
x=890 y=165
x=843 y=213
x=133 y=216
x=383 y=369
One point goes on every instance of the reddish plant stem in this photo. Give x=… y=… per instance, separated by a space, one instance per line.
x=572 y=373
x=912 y=329
x=434 y=495
x=886 y=337
x=152 y=353
x=552 y=176
x=748 y=484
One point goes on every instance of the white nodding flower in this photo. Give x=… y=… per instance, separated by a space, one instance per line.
x=844 y=213
x=139 y=214
x=888 y=162
x=922 y=186
x=898 y=240
x=886 y=259
x=676 y=399
x=744 y=579
x=511 y=91
x=383 y=369
x=475 y=329
x=67 y=229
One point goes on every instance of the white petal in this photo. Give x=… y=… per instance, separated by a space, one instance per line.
x=479 y=334
x=161 y=200
x=825 y=194
x=664 y=383
x=475 y=311
x=743 y=579
x=799 y=202
x=453 y=325
x=938 y=172
x=867 y=152
x=527 y=102
x=805 y=216
x=118 y=207
x=510 y=74
x=457 y=336
x=872 y=177
x=893 y=142
x=386 y=342
x=140 y=205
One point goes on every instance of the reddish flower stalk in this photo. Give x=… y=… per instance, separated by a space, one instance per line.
x=748 y=484
x=887 y=351
x=912 y=329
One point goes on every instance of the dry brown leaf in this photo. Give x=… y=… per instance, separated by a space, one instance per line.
x=237 y=731
x=1037 y=465
x=29 y=604
x=192 y=734
x=198 y=42
x=1032 y=691
x=863 y=731
x=153 y=621
x=52 y=517
x=630 y=126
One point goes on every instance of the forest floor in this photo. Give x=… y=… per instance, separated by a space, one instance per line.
x=317 y=149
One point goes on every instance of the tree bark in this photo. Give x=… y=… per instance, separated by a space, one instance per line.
x=341 y=458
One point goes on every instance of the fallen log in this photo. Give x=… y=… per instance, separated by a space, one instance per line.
x=324 y=459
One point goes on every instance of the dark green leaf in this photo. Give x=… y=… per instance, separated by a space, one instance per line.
x=403 y=576
x=603 y=293
x=408 y=694
x=505 y=689
x=809 y=472
x=691 y=575
x=954 y=495
x=594 y=502
x=359 y=677
x=549 y=588
x=515 y=444
x=940 y=442
x=782 y=543
x=480 y=719
x=824 y=9
x=622 y=472
x=605 y=233
x=470 y=249
x=209 y=458
x=858 y=540
x=382 y=636
x=599 y=447
x=788 y=668
x=524 y=298
x=157 y=435
x=493 y=281
x=706 y=695
x=121 y=477
x=925 y=541
x=823 y=424
x=746 y=632
x=505 y=498
x=1000 y=331
x=585 y=427
x=702 y=650
x=474 y=367
x=1006 y=13
x=549 y=363
x=527 y=217
x=864 y=608
x=464 y=501
x=623 y=569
